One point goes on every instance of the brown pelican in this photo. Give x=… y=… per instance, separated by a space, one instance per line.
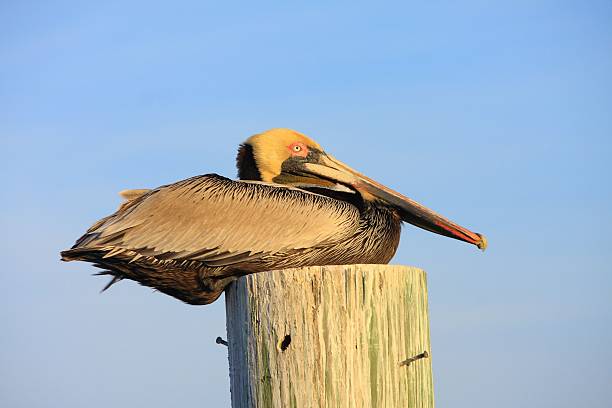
x=295 y=205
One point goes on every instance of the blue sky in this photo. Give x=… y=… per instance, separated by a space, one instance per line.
x=496 y=114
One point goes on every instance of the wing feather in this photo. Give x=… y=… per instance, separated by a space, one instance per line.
x=220 y=221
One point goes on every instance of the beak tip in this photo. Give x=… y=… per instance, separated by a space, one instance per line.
x=482 y=245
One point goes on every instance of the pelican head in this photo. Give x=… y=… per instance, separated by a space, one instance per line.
x=285 y=156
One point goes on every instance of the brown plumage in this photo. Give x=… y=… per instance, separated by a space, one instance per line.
x=294 y=206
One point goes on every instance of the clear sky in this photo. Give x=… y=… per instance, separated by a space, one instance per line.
x=497 y=114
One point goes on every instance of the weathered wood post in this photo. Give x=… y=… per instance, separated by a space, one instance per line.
x=332 y=336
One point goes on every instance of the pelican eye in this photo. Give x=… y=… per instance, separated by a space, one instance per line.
x=298 y=149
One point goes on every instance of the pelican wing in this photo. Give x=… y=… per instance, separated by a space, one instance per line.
x=219 y=221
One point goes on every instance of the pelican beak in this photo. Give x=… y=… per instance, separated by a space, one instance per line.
x=329 y=168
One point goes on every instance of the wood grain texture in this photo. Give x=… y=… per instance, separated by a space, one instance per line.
x=331 y=336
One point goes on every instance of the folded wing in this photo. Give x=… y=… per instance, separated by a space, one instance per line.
x=219 y=221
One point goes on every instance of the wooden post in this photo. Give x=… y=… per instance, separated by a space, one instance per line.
x=332 y=336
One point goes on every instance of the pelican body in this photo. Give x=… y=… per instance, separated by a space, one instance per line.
x=294 y=206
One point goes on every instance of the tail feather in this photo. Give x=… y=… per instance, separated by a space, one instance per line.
x=76 y=254
x=114 y=280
